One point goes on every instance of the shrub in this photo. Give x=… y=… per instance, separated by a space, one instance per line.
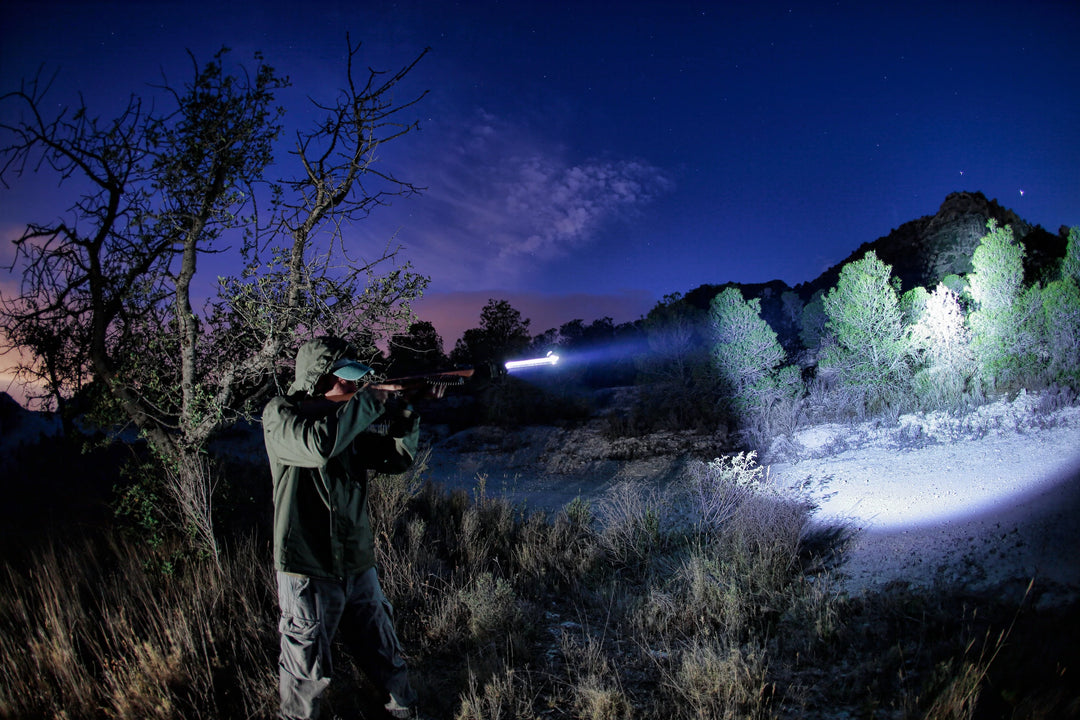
x=941 y=343
x=1061 y=315
x=1070 y=264
x=719 y=487
x=1006 y=323
x=594 y=680
x=712 y=680
x=870 y=349
x=747 y=357
x=632 y=520
x=505 y=696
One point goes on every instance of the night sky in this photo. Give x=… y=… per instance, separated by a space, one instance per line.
x=583 y=159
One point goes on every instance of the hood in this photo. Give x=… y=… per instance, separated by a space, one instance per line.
x=313 y=360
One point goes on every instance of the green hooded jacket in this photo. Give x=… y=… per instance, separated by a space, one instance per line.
x=319 y=457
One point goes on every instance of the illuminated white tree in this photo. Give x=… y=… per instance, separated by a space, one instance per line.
x=942 y=343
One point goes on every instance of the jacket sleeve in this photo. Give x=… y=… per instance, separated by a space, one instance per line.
x=301 y=441
x=393 y=452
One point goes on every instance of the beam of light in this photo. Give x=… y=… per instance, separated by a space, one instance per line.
x=947 y=491
x=549 y=359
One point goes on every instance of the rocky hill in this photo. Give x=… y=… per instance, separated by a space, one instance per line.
x=924 y=251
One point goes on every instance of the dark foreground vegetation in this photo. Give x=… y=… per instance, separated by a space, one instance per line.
x=711 y=600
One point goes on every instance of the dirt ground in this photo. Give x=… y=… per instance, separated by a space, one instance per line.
x=985 y=502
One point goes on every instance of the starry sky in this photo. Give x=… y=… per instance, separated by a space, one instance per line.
x=584 y=159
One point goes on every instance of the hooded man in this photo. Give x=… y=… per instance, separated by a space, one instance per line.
x=321 y=450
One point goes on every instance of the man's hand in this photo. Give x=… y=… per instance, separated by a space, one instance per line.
x=378 y=393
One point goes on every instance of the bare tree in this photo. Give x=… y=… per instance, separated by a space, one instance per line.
x=108 y=290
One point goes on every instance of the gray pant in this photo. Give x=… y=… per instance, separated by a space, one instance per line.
x=311 y=611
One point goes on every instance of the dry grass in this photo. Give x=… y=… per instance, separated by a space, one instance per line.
x=89 y=632
x=634 y=608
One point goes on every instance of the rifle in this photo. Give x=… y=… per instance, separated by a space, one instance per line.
x=441 y=379
x=435 y=383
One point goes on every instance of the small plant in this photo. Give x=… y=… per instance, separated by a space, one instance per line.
x=505 y=696
x=632 y=519
x=719 y=487
x=492 y=607
x=594 y=680
x=714 y=680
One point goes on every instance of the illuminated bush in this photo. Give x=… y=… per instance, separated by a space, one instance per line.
x=870 y=350
x=747 y=354
x=1061 y=316
x=942 y=343
x=1006 y=324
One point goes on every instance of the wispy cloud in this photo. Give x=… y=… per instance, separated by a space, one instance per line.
x=503 y=203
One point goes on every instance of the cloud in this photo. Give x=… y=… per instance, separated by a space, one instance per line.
x=502 y=203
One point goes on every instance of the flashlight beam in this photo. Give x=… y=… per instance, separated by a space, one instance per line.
x=549 y=359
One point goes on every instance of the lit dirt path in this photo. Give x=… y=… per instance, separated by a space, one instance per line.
x=984 y=513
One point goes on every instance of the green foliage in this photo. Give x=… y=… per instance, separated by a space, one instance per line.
x=1006 y=320
x=870 y=349
x=747 y=358
x=997 y=269
x=146 y=513
x=1061 y=317
x=955 y=283
x=1070 y=265
x=913 y=304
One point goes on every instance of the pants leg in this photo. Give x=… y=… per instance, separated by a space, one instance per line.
x=368 y=631
x=311 y=610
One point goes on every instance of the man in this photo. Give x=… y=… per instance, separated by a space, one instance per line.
x=324 y=551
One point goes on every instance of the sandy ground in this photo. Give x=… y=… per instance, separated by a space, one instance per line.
x=985 y=502
x=984 y=513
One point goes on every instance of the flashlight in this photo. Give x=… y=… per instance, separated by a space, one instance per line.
x=550 y=359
